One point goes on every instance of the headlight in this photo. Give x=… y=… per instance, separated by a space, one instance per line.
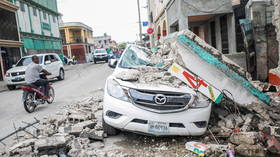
x=199 y=103
x=115 y=90
x=8 y=74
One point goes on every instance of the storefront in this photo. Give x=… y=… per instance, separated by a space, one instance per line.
x=10 y=44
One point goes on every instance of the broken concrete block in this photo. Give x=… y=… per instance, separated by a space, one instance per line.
x=250 y=150
x=248 y=119
x=73 y=130
x=244 y=138
x=22 y=144
x=86 y=124
x=93 y=134
x=131 y=75
x=46 y=143
x=24 y=151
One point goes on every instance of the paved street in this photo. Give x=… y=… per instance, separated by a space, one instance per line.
x=80 y=81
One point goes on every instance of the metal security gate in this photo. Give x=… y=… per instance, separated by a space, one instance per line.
x=248 y=35
x=224 y=34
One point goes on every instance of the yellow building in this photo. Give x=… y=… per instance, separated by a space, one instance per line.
x=77 y=40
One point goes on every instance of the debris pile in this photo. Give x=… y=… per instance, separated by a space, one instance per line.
x=76 y=132
x=247 y=120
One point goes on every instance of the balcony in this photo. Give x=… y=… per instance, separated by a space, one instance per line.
x=76 y=40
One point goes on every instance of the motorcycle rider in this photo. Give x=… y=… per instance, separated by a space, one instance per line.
x=32 y=76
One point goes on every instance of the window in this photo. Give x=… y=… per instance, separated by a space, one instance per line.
x=54 y=19
x=47 y=58
x=54 y=58
x=22 y=8
x=34 y=11
x=45 y=15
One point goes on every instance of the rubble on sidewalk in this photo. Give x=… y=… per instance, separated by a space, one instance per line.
x=71 y=134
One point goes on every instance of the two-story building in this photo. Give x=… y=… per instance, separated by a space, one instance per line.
x=77 y=40
x=10 y=43
x=38 y=26
x=212 y=20
x=102 y=41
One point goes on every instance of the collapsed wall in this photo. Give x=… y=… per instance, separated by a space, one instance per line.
x=212 y=66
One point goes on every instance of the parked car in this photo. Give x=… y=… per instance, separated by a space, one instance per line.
x=113 y=60
x=51 y=62
x=100 y=55
x=69 y=61
x=151 y=109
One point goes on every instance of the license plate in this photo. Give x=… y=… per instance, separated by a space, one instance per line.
x=158 y=127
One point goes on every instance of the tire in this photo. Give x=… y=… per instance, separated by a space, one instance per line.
x=28 y=103
x=109 y=130
x=52 y=95
x=94 y=61
x=61 y=75
x=11 y=87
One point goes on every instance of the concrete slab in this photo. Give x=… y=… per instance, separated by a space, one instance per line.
x=219 y=71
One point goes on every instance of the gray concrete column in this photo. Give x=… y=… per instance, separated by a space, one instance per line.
x=218 y=33
x=231 y=33
x=183 y=19
x=259 y=22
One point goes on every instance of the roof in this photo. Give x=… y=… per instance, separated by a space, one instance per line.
x=75 y=24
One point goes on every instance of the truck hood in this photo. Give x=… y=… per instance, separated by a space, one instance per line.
x=149 y=86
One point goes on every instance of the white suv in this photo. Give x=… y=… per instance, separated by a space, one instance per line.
x=51 y=62
x=151 y=109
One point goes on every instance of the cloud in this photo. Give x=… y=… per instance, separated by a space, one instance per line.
x=118 y=18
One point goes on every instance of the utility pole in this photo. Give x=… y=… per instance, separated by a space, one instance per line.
x=140 y=23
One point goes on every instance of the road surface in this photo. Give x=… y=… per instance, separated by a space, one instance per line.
x=80 y=81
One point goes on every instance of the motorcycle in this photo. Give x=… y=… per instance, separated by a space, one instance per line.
x=33 y=96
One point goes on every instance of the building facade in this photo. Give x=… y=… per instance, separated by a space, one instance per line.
x=10 y=43
x=102 y=41
x=38 y=26
x=212 y=20
x=77 y=40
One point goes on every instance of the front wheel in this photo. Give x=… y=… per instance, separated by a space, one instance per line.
x=61 y=75
x=51 y=95
x=11 y=87
x=109 y=130
x=29 y=104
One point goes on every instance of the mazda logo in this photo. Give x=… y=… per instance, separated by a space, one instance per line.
x=160 y=99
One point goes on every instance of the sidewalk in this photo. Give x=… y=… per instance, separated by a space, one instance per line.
x=2 y=86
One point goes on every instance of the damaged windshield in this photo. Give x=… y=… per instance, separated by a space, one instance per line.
x=135 y=57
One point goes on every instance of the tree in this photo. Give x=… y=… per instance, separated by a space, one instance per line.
x=122 y=46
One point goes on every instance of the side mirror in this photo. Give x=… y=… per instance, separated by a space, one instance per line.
x=14 y=65
x=48 y=62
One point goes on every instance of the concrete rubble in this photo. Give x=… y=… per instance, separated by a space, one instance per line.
x=248 y=129
x=73 y=133
x=246 y=110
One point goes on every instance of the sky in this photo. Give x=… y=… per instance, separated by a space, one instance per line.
x=118 y=18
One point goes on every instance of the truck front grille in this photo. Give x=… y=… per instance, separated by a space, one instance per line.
x=18 y=73
x=175 y=102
